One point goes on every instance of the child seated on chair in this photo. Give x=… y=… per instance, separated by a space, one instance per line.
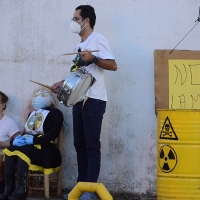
x=8 y=130
x=34 y=149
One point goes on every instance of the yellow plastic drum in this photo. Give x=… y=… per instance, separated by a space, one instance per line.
x=178 y=153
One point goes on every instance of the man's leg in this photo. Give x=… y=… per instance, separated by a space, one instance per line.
x=79 y=141
x=93 y=112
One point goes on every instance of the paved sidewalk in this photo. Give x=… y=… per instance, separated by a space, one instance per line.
x=42 y=198
x=114 y=198
x=120 y=196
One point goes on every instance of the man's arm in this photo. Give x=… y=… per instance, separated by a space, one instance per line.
x=107 y=64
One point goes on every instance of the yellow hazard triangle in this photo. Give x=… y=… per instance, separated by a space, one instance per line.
x=167 y=131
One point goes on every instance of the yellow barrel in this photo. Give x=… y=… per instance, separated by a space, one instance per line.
x=178 y=153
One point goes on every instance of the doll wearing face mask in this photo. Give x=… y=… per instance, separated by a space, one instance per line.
x=40 y=101
x=35 y=148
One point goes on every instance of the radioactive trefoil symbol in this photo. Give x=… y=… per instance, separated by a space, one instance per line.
x=167 y=159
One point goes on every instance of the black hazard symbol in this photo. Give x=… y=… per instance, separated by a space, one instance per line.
x=167 y=131
x=167 y=159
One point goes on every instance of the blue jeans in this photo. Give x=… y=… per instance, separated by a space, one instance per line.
x=87 y=123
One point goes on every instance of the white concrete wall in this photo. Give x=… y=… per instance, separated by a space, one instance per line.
x=34 y=34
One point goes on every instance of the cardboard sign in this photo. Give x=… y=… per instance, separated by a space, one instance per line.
x=177 y=79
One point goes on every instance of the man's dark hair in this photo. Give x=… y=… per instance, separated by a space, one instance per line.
x=88 y=11
x=3 y=98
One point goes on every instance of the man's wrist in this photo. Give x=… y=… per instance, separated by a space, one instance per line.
x=95 y=59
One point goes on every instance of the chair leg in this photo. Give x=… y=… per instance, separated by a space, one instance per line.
x=46 y=186
x=59 y=182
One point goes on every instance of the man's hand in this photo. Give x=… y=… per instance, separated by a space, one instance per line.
x=56 y=87
x=86 y=56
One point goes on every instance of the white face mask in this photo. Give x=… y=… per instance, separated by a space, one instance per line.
x=75 y=27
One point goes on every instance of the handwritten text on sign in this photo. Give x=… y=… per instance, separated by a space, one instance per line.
x=184 y=84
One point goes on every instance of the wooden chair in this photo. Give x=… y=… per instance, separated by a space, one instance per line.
x=41 y=183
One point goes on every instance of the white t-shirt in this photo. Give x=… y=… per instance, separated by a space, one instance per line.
x=7 y=128
x=96 y=41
